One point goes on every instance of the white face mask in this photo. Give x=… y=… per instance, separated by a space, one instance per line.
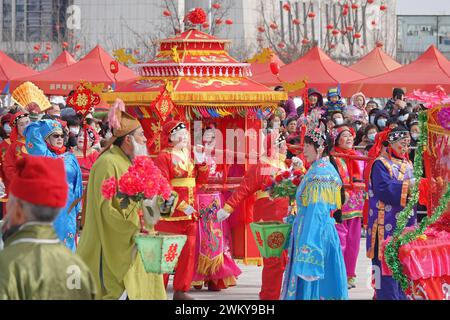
x=339 y=121
x=74 y=130
x=139 y=149
x=358 y=126
x=382 y=123
x=403 y=118
x=414 y=136
x=7 y=128
x=108 y=135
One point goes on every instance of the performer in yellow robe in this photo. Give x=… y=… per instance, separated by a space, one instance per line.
x=107 y=241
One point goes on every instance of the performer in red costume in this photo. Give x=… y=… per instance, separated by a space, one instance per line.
x=265 y=209
x=177 y=165
x=17 y=148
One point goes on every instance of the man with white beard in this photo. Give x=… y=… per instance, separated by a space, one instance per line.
x=107 y=244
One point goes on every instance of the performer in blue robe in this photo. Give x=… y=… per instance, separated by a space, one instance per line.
x=391 y=181
x=45 y=138
x=316 y=267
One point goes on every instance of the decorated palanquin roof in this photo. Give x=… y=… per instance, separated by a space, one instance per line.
x=197 y=70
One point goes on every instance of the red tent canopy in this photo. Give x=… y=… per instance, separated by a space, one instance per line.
x=320 y=71
x=429 y=70
x=94 y=67
x=260 y=62
x=376 y=62
x=65 y=59
x=10 y=69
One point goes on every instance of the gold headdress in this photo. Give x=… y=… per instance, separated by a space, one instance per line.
x=28 y=93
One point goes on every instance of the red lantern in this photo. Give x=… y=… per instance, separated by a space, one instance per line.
x=45 y=56
x=332 y=46
x=357 y=35
x=349 y=28
x=363 y=46
x=229 y=21
x=335 y=32
x=344 y=12
x=114 y=67
x=274 y=68
x=273 y=26
x=311 y=15
x=379 y=44
x=216 y=5
x=305 y=41
x=219 y=21
x=36 y=60
x=383 y=7
x=346 y=6
x=197 y=16
x=167 y=13
x=37 y=47
x=205 y=25
x=330 y=27
x=355 y=6
x=370 y=1
x=287 y=7
x=281 y=45
x=261 y=29
x=78 y=47
x=65 y=45
x=296 y=21
x=374 y=23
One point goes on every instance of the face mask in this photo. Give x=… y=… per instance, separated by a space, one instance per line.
x=403 y=118
x=371 y=136
x=358 y=126
x=339 y=121
x=7 y=128
x=74 y=130
x=415 y=136
x=382 y=123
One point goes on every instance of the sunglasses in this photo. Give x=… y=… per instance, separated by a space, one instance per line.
x=56 y=136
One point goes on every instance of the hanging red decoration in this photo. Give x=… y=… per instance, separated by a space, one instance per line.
x=330 y=26
x=48 y=46
x=335 y=32
x=65 y=45
x=344 y=12
x=229 y=21
x=167 y=13
x=344 y=31
x=349 y=28
x=37 y=47
x=370 y=1
x=78 y=47
x=114 y=67
x=287 y=7
x=205 y=25
x=274 y=68
x=219 y=21
x=296 y=21
x=363 y=46
x=312 y=15
x=273 y=26
x=332 y=45
x=374 y=23
x=305 y=41
x=45 y=57
x=357 y=35
x=197 y=16
x=163 y=104
x=346 y=6
x=261 y=29
x=383 y=7
x=355 y=6
x=281 y=45
x=379 y=44
x=216 y=5
x=36 y=60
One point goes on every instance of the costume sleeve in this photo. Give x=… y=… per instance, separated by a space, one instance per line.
x=35 y=143
x=9 y=166
x=162 y=162
x=389 y=190
x=202 y=173
x=251 y=183
x=78 y=181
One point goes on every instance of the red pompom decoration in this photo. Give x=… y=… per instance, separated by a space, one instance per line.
x=229 y=21
x=357 y=35
x=346 y=6
x=374 y=23
x=37 y=47
x=335 y=32
x=305 y=41
x=287 y=7
x=261 y=29
x=379 y=44
x=383 y=7
x=349 y=28
x=45 y=56
x=273 y=26
x=274 y=68
x=167 y=13
x=65 y=45
x=355 y=6
x=330 y=27
x=311 y=15
x=78 y=47
x=219 y=21
x=344 y=12
x=205 y=25
x=296 y=21
x=197 y=16
x=216 y=5
x=281 y=45
x=370 y=1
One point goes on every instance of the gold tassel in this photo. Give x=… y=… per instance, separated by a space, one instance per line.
x=207 y=266
x=328 y=192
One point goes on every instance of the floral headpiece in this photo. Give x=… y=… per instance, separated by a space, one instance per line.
x=317 y=135
x=395 y=136
x=337 y=131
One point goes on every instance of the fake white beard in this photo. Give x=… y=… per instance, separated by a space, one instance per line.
x=139 y=149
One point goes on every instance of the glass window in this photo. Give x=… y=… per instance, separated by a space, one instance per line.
x=7 y=20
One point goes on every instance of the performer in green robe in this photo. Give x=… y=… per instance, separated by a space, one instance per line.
x=107 y=240
x=34 y=263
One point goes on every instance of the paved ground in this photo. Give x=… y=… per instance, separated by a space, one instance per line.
x=249 y=282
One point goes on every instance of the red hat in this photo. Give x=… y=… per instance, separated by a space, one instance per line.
x=167 y=129
x=40 y=181
x=6 y=118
